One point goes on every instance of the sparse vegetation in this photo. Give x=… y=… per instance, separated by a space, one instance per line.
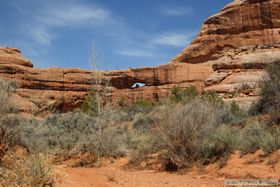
x=187 y=129
x=34 y=170
x=258 y=135
x=270 y=94
x=181 y=95
x=6 y=88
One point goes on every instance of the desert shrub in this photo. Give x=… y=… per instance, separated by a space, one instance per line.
x=6 y=88
x=258 y=135
x=99 y=135
x=179 y=94
x=71 y=132
x=142 y=144
x=111 y=143
x=143 y=106
x=35 y=170
x=270 y=93
x=212 y=97
x=239 y=115
x=143 y=122
x=251 y=137
x=271 y=139
x=90 y=104
x=221 y=143
x=185 y=128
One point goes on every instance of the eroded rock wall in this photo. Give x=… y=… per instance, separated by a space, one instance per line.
x=242 y=25
x=239 y=41
x=228 y=56
x=44 y=90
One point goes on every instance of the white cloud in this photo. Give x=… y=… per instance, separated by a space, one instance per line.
x=41 y=36
x=135 y=53
x=175 y=11
x=49 y=16
x=73 y=14
x=173 y=39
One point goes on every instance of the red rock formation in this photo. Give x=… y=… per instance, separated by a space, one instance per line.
x=13 y=56
x=241 y=25
x=237 y=42
x=48 y=89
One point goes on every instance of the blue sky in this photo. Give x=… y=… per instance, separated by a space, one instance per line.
x=124 y=33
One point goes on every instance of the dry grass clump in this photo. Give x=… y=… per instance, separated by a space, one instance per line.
x=34 y=170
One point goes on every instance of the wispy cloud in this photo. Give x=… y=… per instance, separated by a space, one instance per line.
x=74 y=13
x=135 y=53
x=173 y=39
x=51 y=15
x=175 y=11
x=54 y=21
x=41 y=35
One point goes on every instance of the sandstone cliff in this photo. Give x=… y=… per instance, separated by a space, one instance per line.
x=228 y=56
x=43 y=90
x=240 y=26
x=238 y=41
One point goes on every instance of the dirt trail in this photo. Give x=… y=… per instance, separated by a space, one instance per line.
x=113 y=176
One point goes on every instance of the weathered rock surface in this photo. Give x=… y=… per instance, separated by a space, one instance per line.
x=45 y=90
x=228 y=56
x=241 y=25
x=13 y=56
x=239 y=41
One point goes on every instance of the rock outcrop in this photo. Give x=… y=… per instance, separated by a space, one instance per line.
x=242 y=25
x=239 y=41
x=228 y=56
x=44 y=90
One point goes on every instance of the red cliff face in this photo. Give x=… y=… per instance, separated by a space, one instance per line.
x=241 y=25
x=44 y=90
x=228 y=56
x=238 y=41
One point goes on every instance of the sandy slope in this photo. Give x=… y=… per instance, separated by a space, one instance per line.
x=114 y=176
x=257 y=165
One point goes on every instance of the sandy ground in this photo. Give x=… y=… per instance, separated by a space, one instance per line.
x=251 y=166
x=113 y=176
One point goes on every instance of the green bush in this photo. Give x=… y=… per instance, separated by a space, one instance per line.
x=271 y=139
x=212 y=97
x=252 y=136
x=221 y=143
x=270 y=94
x=179 y=94
x=239 y=115
x=90 y=104
x=258 y=135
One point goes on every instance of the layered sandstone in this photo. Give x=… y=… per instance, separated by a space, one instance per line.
x=239 y=41
x=240 y=26
x=56 y=89
x=228 y=56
